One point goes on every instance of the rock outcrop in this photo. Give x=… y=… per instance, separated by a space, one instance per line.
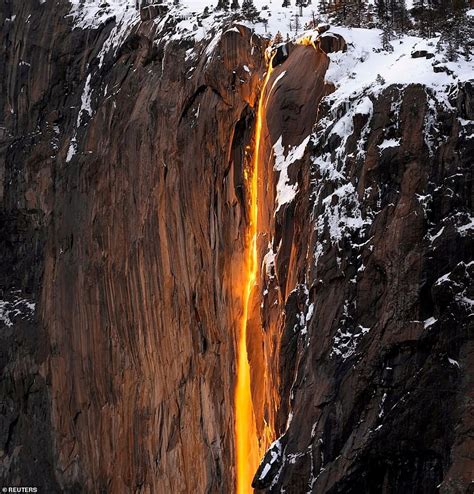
x=376 y=349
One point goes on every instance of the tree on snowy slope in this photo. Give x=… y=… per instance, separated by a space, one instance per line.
x=339 y=10
x=392 y=15
x=249 y=11
x=385 y=23
x=457 y=31
x=423 y=15
x=323 y=7
x=222 y=5
x=278 y=38
x=386 y=36
x=234 y=5
x=441 y=15
x=347 y=12
x=301 y=4
x=353 y=13
x=401 y=19
x=358 y=13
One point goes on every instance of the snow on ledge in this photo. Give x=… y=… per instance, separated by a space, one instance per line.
x=91 y=13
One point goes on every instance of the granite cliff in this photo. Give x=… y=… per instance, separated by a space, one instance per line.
x=125 y=152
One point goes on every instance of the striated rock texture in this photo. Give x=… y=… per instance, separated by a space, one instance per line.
x=376 y=355
x=123 y=152
x=122 y=219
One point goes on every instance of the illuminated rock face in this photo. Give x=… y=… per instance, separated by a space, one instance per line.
x=125 y=217
x=376 y=327
x=136 y=210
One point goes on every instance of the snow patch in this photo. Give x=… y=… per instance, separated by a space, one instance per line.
x=17 y=307
x=85 y=100
x=389 y=143
x=429 y=322
x=286 y=191
x=453 y=362
x=72 y=150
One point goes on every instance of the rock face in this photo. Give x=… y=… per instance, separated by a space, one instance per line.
x=123 y=219
x=123 y=153
x=377 y=345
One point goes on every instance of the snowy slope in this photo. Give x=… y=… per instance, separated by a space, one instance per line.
x=359 y=67
x=356 y=68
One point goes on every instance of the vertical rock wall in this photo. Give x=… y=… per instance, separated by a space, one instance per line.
x=125 y=167
x=376 y=349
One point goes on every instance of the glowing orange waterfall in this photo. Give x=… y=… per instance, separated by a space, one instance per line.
x=246 y=440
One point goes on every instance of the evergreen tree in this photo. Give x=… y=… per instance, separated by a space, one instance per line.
x=301 y=4
x=457 y=31
x=249 y=10
x=222 y=5
x=381 y=12
x=423 y=14
x=357 y=13
x=340 y=11
x=402 y=19
x=297 y=24
x=286 y=3
x=386 y=36
x=234 y=5
x=278 y=38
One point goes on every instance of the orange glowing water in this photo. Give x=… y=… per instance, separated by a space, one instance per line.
x=246 y=440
